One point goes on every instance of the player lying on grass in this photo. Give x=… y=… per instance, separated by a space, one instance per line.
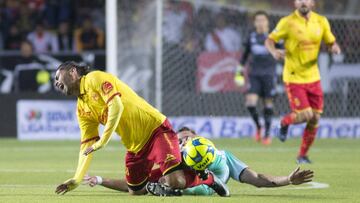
x=145 y=132
x=224 y=166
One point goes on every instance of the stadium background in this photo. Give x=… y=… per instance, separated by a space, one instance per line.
x=161 y=51
x=158 y=47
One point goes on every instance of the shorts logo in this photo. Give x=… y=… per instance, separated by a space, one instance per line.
x=106 y=87
x=297 y=102
x=169 y=157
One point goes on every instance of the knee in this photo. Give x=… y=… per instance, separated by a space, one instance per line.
x=268 y=103
x=250 y=100
x=307 y=115
x=176 y=180
x=315 y=118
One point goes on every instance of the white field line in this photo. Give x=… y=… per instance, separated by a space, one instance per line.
x=306 y=186
x=311 y=185
x=56 y=171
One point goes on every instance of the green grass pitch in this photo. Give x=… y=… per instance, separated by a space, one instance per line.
x=30 y=171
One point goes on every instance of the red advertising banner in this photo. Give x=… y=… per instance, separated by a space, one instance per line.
x=216 y=71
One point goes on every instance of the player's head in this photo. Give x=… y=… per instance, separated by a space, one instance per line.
x=67 y=77
x=184 y=134
x=26 y=49
x=304 y=6
x=261 y=21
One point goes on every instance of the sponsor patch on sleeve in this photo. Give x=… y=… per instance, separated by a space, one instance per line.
x=106 y=87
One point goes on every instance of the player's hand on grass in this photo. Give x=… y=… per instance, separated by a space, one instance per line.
x=298 y=176
x=89 y=150
x=278 y=54
x=66 y=187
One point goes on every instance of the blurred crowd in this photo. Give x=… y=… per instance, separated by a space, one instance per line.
x=189 y=29
x=52 y=26
x=205 y=27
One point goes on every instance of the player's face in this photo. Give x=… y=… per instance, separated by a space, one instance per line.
x=184 y=137
x=66 y=82
x=261 y=23
x=304 y=6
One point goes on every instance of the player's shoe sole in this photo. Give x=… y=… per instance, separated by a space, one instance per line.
x=219 y=187
x=303 y=160
x=257 y=136
x=282 y=132
x=158 y=189
x=266 y=141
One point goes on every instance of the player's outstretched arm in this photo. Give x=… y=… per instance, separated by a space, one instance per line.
x=278 y=54
x=115 y=184
x=83 y=165
x=115 y=109
x=296 y=177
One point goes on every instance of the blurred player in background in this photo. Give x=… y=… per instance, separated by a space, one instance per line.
x=302 y=31
x=261 y=76
x=145 y=132
x=225 y=166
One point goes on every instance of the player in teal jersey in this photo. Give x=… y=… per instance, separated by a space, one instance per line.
x=225 y=166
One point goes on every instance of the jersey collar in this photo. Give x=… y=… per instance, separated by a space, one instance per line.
x=297 y=13
x=82 y=85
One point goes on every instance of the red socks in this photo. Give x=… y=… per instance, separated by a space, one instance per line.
x=307 y=139
x=288 y=119
x=192 y=179
x=155 y=175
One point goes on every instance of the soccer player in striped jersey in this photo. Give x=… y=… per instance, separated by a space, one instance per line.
x=302 y=32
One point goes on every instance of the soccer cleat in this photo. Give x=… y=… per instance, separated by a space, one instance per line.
x=303 y=160
x=282 y=132
x=266 y=140
x=219 y=187
x=159 y=189
x=258 y=135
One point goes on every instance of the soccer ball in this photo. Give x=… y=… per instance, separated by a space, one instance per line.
x=198 y=153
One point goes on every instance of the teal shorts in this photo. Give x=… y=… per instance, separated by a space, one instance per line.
x=236 y=167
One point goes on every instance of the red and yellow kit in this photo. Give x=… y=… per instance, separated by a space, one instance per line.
x=106 y=100
x=302 y=44
x=303 y=96
x=302 y=39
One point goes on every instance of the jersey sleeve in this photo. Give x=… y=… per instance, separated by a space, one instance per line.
x=247 y=49
x=89 y=135
x=83 y=163
x=328 y=36
x=280 y=32
x=105 y=85
x=115 y=109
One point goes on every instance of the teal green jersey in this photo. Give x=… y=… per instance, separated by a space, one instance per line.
x=224 y=166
